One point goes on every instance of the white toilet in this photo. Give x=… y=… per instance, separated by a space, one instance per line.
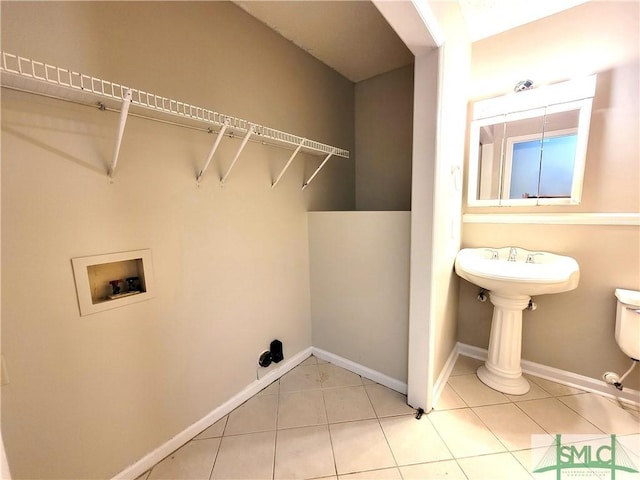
x=628 y=322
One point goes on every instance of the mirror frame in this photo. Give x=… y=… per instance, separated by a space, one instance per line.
x=561 y=97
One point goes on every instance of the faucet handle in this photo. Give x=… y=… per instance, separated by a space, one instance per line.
x=531 y=257
x=494 y=253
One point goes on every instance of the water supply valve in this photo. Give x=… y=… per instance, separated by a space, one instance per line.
x=265 y=359
x=273 y=355
x=612 y=378
x=482 y=295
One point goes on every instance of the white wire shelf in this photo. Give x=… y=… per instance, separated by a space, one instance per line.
x=24 y=74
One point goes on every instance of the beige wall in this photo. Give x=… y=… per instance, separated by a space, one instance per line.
x=359 y=264
x=90 y=395
x=572 y=331
x=384 y=110
x=596 y=37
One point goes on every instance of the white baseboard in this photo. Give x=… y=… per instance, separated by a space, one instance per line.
x=152 y=458
x=570 y=379
x=354 y=367
x=149 y=460
x=441 y=382
x=472 y=351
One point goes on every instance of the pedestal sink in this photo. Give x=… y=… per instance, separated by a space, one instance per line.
x=512 y=275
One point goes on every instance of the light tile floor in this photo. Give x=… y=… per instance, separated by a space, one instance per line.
x=322 y=421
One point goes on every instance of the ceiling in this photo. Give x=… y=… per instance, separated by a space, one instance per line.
x=353 y=38
x=485 y=18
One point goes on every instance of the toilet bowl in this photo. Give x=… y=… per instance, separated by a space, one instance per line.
x=628 y=322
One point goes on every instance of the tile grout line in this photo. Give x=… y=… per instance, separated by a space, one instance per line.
x=580 y=415
x=226 y=419
x=516 y=402
x=507 y=449
x=456 y=392
x=326 y=414
x=453 y=457
x=366 y=391
x=513 y=402
x=275 y=440
x=553 y=397
x=398 y=466
x=557 y=398
x=531 y=418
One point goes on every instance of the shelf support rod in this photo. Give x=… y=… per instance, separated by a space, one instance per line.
x=235 y=159
x=124 y=111
x=306 y=184
x=288 y=164
x=212 y=152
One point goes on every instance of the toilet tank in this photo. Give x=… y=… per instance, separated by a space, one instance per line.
x=628 y=322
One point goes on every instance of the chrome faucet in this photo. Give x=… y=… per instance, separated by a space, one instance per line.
x=513 y=252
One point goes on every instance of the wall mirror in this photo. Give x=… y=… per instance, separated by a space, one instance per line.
x=529 y=148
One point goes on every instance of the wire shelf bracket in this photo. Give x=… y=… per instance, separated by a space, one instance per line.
x=124 y=112
x=212 y=152
x=288 y=164
x=35 y=77
x=313 y=175
x=246 y=138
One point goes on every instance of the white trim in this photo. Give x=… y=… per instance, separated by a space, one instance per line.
x=145 y=463
x=152 y=458
x=631 y=219
x=445 y=373
x=426 y=134
x=354 y=367
x=472 y=351
x=563 y=377
x=414 y=22
x=81 y=275
x=535 y=98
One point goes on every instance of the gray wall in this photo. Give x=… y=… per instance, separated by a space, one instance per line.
x=384 y=140
x=90 y=395
x=359 y=264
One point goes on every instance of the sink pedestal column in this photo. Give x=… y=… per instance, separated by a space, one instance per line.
x=502 y=370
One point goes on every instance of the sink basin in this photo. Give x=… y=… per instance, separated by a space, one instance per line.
x=512 y=275
x=532 y=273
